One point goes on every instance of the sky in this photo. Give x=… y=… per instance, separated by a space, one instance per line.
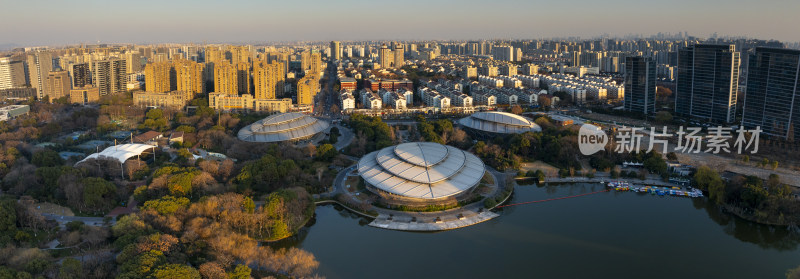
x=57 y=22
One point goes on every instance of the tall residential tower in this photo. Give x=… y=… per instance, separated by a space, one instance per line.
x=640 y=84
x=772 y=99
x=707 y=82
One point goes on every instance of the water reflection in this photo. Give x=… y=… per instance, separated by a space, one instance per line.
x=765 y=236
x=608 y=235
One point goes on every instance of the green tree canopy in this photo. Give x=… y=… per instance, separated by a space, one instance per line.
x=71 y=268
x=98 y=194
x=166 y=205
x=46 y=158
x=240 y=272
x=176 y=271
x=326 y=152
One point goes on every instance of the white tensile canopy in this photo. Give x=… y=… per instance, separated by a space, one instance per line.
x=121 y=152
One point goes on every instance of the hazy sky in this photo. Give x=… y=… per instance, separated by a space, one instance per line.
x=55 y=22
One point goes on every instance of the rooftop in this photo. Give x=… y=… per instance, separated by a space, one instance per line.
x=423 y=170
x=282 y=127
x=499 y=122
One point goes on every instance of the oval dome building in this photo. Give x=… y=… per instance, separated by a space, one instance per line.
x=290 y=126
x=491 y=123
x=420 y=172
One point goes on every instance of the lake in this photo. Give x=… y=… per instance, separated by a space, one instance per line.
x=605 y=235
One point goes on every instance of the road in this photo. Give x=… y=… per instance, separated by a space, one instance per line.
x=327 y=97
x=345 y=138
x=90 y=221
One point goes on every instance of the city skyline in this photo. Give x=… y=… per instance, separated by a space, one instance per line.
x=245 y=22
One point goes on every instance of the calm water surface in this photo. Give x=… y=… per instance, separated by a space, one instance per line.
x=606 y=235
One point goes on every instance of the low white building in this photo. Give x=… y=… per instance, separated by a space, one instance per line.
x=348 y=101
x=371 y=100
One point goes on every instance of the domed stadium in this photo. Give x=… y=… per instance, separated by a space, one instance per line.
x=290 y=126
x=420 y=172
x=491 y=123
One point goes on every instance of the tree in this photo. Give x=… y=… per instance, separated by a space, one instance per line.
x=176 y=271
x=662 y=93
x=663 y=117
x=240 y=272
x=707 y=179
x=754 y=196
x=8 y=216
x=212 y=270
x=155 y=113
x=46 y=158
x=180 y=184
x=143 y=264
x=545 y=101
x=516 y=109
x=326 y=152
x=774 y=165
x=310 y=149
x=98 y=194
x=655 y=164
x=672 y=156
x=71 y=268
x=166 y=205
x=248 y=205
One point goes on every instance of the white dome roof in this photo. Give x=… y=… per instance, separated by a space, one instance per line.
x=282 y=127
x=423 y=170
x=499 y=122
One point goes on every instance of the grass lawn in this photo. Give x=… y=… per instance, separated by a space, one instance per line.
x=539 y=165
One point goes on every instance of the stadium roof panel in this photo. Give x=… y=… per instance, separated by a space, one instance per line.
x=282 y=127
x=421 y=170
x=499 y=122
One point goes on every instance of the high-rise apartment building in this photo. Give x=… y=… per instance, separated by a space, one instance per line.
x=399 y=56
x=58 y=85
x=189 y=78
x=529 y=69
x=488 y=70
x=336 y=50
x=385 y=57
x=159 y=77
x=315 y=62
x=240 y=54
x=232 y=79
x=305 y=60
x=707 y=82
x=40 y=64
x=81 y=75
x=12 y=73
x=469 y=72
x=503 y=53
x=772 y=99
x=268 y=79
x=576 y=59
x=243 y=78
x=307 y=88
x=282 y=57
x=508 y=70
x=110 y=76
x=640 y=85
x=133 y=62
